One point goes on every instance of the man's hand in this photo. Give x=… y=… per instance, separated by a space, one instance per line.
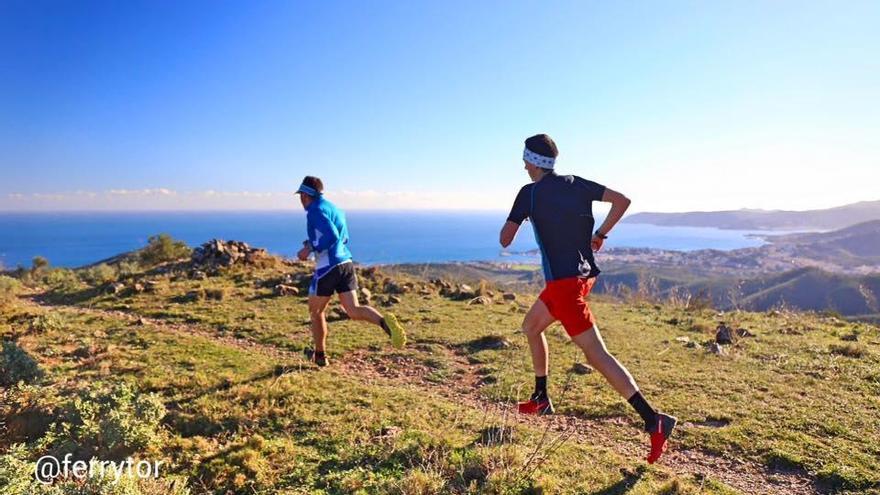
x=596 y=243
x=304 y=253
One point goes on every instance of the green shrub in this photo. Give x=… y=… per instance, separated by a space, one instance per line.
x=9 y=287
x=39 y=263
x=161 y=248
x=127 y=268
x=110 y=424
x=49 y=322
x=61 y=280
x=99 y=274
x=16 y=365
x=16 y=473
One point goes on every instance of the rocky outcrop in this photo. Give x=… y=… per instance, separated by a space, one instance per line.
x=219 y=253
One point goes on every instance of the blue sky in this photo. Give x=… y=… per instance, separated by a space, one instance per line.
x=680 y=105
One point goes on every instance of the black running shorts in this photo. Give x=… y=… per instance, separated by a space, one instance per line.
x=340 y=278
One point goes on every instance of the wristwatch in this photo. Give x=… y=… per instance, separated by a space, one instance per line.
x=601 y=235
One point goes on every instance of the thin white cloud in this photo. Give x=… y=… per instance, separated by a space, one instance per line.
x=168 y=199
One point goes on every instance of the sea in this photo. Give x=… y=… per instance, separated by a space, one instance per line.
x=72 y=239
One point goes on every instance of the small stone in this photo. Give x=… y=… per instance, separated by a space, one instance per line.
x=742 y=332
x=365 y=293
x=684 y=339
x=484 y=300
x=582 y=368
x=850 y=338
x=717 y=349
x=286 y=290
x=509 y=296
x=137 y=288
x=116 y=288
x=723 y=335
x=394 y=300
x=199 y=275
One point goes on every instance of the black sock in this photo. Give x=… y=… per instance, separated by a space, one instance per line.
x=319 y=355
x=644 y=409
x=540 y=388
x=385 y=326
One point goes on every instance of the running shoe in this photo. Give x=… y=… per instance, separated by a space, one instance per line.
x=536 y=406
x=395 y=330
x=660 y=433
x=320 y=361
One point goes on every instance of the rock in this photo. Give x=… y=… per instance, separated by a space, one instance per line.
x=198 y=275
x=493 y=342
x=286 y=290
x=392 y=287
x=137 y=288
x=424 y=291
x=394 y=300
x=371 y=273
x=484 y=300
x=193 y=296
x=684 y=339
x=582 y=368
x=850 y=338
x=742 y=332
x=151 y=286
x=337 y=313
x=508 y=296
x=723 y=335
x=717 y=349
x=226 y=253
x=366 y=294
x=115 y=288
x=691 y=345
x=141 y=322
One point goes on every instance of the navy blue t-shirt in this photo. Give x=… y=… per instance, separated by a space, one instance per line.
x=560 y=208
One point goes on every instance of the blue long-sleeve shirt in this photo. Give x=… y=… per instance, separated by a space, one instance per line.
x=328 y=235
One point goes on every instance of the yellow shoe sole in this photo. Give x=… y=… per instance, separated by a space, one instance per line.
x=398 y=334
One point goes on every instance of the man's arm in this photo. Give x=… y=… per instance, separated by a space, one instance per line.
x=329 y=234
x=508 y=232
x=518 y=213
x=619 y=204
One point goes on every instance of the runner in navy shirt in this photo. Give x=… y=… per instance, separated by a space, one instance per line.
x=560 y=208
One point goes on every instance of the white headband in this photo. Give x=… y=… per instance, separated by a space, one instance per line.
x=538 y=160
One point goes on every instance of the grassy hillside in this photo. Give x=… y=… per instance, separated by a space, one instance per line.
x=217 y=388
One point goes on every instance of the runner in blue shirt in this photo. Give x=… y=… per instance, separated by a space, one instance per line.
x=560 y=208
x=334 y=270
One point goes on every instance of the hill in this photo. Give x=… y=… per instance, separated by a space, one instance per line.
x=199 y=365
x=750 y=219
x=856 y=244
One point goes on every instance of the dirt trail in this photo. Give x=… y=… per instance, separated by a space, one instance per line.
x=745 y=476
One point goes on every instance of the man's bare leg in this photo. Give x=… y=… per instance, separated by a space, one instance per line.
x=355 y=311
x=536 y=321
x=597 y=355
x=388 y=322
x=658 y=424
x=317 y=306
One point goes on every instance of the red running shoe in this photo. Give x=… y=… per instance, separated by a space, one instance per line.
x=539 y=407
x=660 y=433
